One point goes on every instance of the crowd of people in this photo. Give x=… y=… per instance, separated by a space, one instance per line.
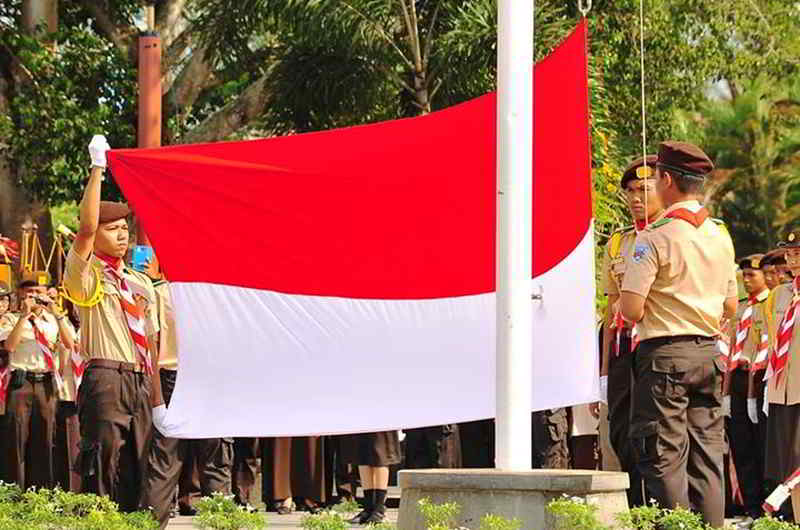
x=691 y=379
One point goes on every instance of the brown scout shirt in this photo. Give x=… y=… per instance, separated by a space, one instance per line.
x=168 y=338
x=758 y=328
x=615 y=258
x=685 y=274
x=28 y=356
x=786 y=389
x=104 y=327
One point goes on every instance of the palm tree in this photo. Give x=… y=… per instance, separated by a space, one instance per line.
x=754 y=139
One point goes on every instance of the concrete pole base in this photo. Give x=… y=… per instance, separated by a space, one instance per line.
x=523 y=495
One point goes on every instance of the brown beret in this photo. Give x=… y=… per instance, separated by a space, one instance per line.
x=754 y=261
x=4 y=290
x=630 y=172
x=35 y=277
x=774 y=257
x=792 y=240
x=684 y=158
x=113 y=211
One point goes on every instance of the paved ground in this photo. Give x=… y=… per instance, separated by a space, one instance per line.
x=273 y=521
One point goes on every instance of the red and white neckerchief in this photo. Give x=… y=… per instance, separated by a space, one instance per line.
x=743 y=330
x=47 y=351
x=78 y=365
x=762 y=354
x=780 y=354
x=134 y=319
x=781 y=493
x=694 y=218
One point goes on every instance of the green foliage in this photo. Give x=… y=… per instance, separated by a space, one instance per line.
x=573 y=513
x=45 y=509
x=438 y=516
x=497 y=522
x=66 y=214
x=346 y=507
x=220 y=512
x=64 y=95
x=327 y=520
x=382 y=526
x=770 y=523
x=755 y=141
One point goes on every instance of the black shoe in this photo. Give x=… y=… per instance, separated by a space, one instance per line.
x=361 y=518
x=187 y=510
x=377 y=516
x=309 y=506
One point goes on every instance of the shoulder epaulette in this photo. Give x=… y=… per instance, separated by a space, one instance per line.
x=615 y=243
x=156 y=283
x=659 y=223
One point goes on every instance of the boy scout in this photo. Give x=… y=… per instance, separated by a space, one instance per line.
x=169 y=455
x=117 y=328
x=31 y=336
x=783 y=372
x=616 y=371
x=679 y=284
x=748 y=340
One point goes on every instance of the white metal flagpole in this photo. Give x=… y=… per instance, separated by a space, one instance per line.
x=514 y=239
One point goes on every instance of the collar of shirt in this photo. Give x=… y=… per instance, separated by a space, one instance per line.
x=760 y=297
x=693 y=206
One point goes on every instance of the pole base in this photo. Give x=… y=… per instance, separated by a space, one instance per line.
x=523 y=495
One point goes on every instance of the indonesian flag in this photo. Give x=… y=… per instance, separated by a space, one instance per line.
x=779 y=495
x=344 y=281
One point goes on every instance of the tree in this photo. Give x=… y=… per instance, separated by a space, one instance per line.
x=755 y=140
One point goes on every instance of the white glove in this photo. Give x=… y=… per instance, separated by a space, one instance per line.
x=752 y=410
x=604 y=389
x=726 y=406
x=159 y=418
x=401 y=435
x=765 y=408
x=97 y=150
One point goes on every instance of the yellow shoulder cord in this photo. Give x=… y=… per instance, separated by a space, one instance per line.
x=97 y=295
x=615 y=245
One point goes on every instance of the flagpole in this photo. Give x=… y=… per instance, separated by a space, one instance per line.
x=514 y=376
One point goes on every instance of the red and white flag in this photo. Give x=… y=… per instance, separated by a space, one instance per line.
x=781 y=493
x=352 y=278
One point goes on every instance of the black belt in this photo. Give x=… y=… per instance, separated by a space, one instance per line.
x=38 y=377
x=661 y=341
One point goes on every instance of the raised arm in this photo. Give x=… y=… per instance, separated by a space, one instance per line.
x=90 y=204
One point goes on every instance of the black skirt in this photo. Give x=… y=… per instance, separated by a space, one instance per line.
x=783 y=442
x=378 y=449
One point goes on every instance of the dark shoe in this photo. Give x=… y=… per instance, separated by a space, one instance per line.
x=187 y=510
x=309 y=506
x=361 y=518
x=375 y=517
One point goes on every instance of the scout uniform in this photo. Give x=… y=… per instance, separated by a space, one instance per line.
x=169 y=455
x=783 y=386
x=620 y=363
x=114 y=400
x=550 y=428
x=748 y=340
x=683 y=265
x=30 y=418
x=68 y=433
x=433 y=447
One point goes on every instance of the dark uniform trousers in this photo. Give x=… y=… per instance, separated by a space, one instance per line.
x=116 y=424
x=677 y=429
x=549 y=448
x=433 y=447
x=746 y=445
x=67 y=446
x=620 y=393
x=477 y=444
x=245 y=468
x=168 y=456
x=30 y=425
